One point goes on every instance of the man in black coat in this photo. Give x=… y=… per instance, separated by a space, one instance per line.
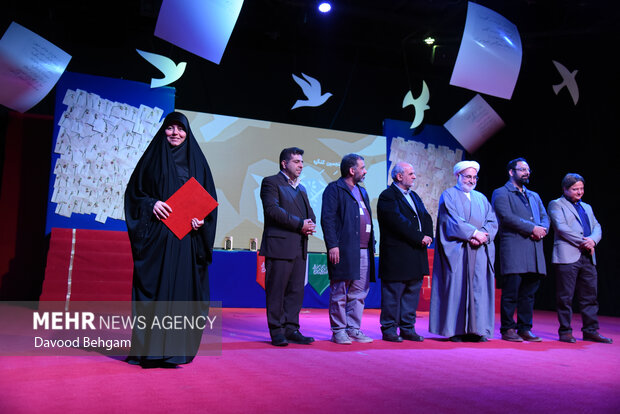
x=289 y=220
x=349 y=238
x=406 y=232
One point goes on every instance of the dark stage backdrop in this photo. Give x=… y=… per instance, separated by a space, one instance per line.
x=26 y=146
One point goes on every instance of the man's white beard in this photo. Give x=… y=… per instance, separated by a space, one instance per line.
x=466 y=188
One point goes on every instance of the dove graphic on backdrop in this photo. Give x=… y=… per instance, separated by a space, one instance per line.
x=312 y=89
x=568 y=80
x=419 y=104
x=171 y=71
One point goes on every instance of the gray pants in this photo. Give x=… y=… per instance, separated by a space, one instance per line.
x=346 y=299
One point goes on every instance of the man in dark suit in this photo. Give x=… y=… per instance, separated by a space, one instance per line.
x=289 y=220
x=406 y=231
x=523 y=222
x=349 y=239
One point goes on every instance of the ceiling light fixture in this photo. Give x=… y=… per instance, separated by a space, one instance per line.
x=429 y=41
x=324 y=7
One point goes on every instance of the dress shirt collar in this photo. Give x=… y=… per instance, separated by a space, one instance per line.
x=292 y=183
x=405 y=192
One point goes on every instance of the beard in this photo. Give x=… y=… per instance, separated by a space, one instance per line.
x=465 y=187
x=523 y=180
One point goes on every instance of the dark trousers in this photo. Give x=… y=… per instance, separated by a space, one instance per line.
x=579 y=277
x=518 y=293
x=284 y=288
x=399 y=302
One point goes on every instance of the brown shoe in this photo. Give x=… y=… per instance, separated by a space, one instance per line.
x=529 y=336
x=567 y=337
x=511 y=335
x=596 y=337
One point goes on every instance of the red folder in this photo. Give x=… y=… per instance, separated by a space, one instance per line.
x=191 y=200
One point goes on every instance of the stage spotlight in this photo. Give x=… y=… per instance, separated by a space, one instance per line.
x=324 y=7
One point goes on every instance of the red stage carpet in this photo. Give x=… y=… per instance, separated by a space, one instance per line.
x=251 y=376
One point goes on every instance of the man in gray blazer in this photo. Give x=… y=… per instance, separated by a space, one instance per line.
x=523 y=222
x=576 y=233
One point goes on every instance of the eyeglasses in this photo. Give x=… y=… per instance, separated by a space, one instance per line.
x=523 y=170
x=470 y=177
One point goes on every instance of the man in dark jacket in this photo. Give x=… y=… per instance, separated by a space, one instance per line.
x=347 y=229
x=523 y=222
x=289 y=220
x=406 y=232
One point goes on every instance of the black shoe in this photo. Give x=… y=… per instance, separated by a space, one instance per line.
x=297 y=338
x=567 y=337
x=468 y=338
x=411 y=336
x=392 y=338
x=279 y=340
x=596 y=337
x=528 y=336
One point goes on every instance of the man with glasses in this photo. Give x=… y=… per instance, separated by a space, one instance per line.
x=463 y=288
x=523 y=223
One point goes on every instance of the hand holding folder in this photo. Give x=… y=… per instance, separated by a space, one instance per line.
x=190 y=201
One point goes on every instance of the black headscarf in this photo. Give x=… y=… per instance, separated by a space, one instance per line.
x=158 y=175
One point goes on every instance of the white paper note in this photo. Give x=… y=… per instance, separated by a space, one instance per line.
x=474 y=123
x=30 y=66
x=489 y=58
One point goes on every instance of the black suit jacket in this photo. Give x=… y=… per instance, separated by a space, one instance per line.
x=402 y=256
x=284 y=218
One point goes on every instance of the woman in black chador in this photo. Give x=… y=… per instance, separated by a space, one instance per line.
x=167 y=271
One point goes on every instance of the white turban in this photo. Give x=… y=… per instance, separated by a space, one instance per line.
x=463 y=165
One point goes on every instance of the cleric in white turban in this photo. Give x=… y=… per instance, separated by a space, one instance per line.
x=463 y=165
x=463 y=289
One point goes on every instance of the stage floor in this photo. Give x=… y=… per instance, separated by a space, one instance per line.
x=251 y=376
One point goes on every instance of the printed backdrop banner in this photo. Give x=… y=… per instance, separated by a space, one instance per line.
x=255 y=145
x=101 y=128
x=432 y=151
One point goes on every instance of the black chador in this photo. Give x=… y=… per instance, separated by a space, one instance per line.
x=167 y=269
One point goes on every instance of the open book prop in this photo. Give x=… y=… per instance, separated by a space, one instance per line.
x=191 y=200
